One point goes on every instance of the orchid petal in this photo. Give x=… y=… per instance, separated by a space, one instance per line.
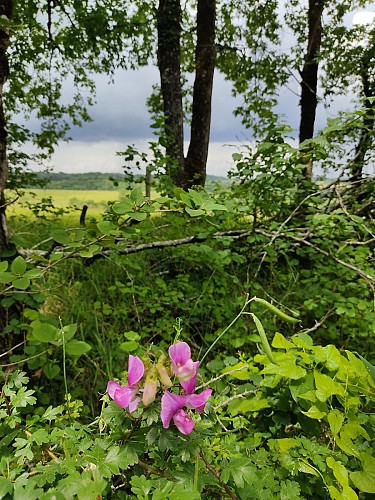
x=124 y=395
x=185 y=372
x=189 y=386
x=170 y=405
x=183 y=422
x=136 y=370
x=198 y=401
x=112 y=387
x=133 y=405
x=179 y=353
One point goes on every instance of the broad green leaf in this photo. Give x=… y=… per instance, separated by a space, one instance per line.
x=335 y=419
x=60 y=236
x=369 y=367
x=51 y=371
x=315 y=413
x=340 y=472
x=105 y=226
x=280 y=342
x=365 y=480
x=129 y=346
x=139 y=216
x=21 y=283
x=306 y=468
x=123 y=207
x=44 y=332
x=194 y=213
x=19 y=266
x=286 y=366
x=346 y=444
x=77 y=347
x=6 y=487
x=6 y=277
x=251 y=404
x=327 y=387
x=3 y=266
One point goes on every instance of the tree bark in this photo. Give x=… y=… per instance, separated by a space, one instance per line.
x=196 y=159
x=309 y=75
x=6 y=8
x=169 y=52
x=189 y=171
x=364 y=143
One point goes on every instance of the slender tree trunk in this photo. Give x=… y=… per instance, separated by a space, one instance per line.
x=169 y=53
x=196 y=159
x=367 y=131
x=6 y=7
x=309 y=75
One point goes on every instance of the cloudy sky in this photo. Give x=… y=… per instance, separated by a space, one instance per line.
x=120 y=118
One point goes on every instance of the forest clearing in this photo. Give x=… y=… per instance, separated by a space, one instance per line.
x=166 y=333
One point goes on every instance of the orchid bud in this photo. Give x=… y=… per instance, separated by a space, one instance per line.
x=163 y=375
x=149 y=391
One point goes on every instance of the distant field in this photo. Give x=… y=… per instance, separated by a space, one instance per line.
x=96 y=200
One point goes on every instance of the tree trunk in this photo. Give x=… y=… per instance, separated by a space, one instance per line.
x=367 y=131
x=169 y=53
x=196 y=159
x=6 y=7
x=309 y=75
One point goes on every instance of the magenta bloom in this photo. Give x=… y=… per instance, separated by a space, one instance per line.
x=126 y=396
x=172 y=408
x=182 y=364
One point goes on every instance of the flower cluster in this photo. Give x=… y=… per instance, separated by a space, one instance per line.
x=144 y=378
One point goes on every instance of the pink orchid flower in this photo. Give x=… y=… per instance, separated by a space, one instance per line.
x=172 y=408
x=182 y=364
x=126 y=396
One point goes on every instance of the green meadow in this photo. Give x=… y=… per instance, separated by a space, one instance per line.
x=96 y=200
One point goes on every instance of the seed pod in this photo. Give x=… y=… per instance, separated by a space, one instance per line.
x=263 y=337
x=276 y=311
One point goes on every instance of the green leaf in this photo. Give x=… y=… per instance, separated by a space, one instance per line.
x=19 y=266
x=365 y=480
x=327 y=387
x=51 y=371
x=21 y=283
x=23 y=398
x=369 y=367
x=280 y=342
x=60 y=236
x=77 y=347
x=6 y=487
x=44 y=332
x=242 y=471
x=194 y=213
x=105 y=227
x=129 y=346
x=315 y=413
x=335 y=419
x=123 y=207
x=3 y=266
x=6 y=277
